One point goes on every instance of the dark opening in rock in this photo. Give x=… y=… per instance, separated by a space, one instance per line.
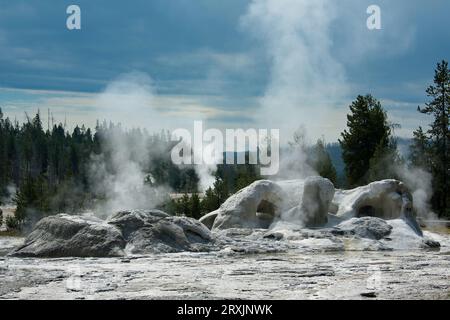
x=266 y=207
x=366 y=211
x=266 y=213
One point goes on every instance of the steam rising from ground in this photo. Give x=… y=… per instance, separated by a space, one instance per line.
x=206 y=170
x=120 y=172
x=306 y=79
x=295 y=162
x=419 y=182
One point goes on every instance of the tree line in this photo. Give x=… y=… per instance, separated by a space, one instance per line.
x=50 y=168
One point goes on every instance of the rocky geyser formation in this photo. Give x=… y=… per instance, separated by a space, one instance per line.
x=266 y=216
x=133 y=232
x=312 y=202
x=155 y=231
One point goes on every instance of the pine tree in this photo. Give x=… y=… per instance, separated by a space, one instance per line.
x=25 y=199
x=185 y=206
x=210 y=201
x=368 y=131
x=245 y=175
x=32 y=200
x=439 y=134
x=195 y=206
x=419 y=150
x=221 y=189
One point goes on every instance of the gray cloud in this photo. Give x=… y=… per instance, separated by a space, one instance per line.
x=304 y=61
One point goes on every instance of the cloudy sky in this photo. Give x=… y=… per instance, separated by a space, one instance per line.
x=234 y=63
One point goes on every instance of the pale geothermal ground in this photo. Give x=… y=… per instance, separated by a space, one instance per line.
x=295 y=274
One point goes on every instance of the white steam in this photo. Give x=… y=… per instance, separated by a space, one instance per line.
x=295 y=161
x=207 y=169
x=129 y=99
x=120 y=173
x=306 y=80
x=419 y=182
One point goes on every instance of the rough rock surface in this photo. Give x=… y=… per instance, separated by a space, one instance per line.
x=264 y=217
x=72 y=236
x=356 y=234
x=255 y=206
x=404 y=237
x=264 y=202
x=134 y=232
x=153 y=231
x=386 y=199
x=310 y=203
x=313 y=195
x=366 y=227
x=364 y=246
x=130 y=221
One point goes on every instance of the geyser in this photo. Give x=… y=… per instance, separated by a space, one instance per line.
x=265 y=216
x=304 y=202
x=126 y=232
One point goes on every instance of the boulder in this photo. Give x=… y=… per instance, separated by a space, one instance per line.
x=153 y=231
x=72 y=236
x=366 y=227
x=135 y=232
